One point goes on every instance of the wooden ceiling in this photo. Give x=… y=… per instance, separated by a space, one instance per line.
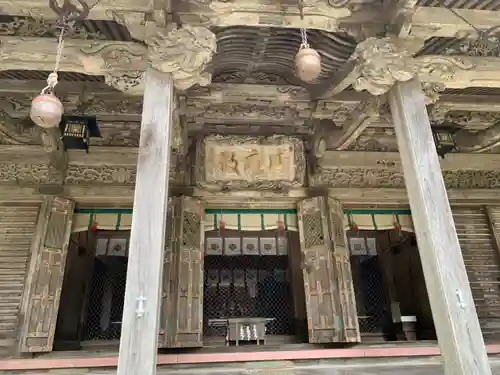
x=254 y=87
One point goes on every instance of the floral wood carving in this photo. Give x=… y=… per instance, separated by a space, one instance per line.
x=380 y=64
x=185 y=52
x=31 y=27
x=24 y=173
x=41 y=174
x=383 y=178
x=113 y=56
x=231 y=162
x=125 y=81
x=442 y=68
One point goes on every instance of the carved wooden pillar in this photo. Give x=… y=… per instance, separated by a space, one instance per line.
x=455 y=317
x=170 y=67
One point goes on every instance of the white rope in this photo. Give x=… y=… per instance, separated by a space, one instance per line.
x=52 y=79
x=303 y=34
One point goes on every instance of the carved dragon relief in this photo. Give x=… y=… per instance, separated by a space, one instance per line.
x=185 y=53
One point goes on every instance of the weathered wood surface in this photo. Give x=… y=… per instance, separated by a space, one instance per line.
x=181 y=317
x=328 y=286
x=17 y=225
x=372 y=366
x=479 y=249
x=343 y=274
x=140 y=327
x=456 y=322
x=44 y=279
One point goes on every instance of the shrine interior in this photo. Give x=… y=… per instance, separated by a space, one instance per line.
x=253 y=275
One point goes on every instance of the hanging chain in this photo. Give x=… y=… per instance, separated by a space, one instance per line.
x=303 y=31
x=52 y=80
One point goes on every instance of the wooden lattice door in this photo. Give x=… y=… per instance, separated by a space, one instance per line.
x=343 y=272
x=182 y=307
x=328 y=286
x=45 y=275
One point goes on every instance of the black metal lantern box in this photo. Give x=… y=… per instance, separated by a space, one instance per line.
x=77 y=130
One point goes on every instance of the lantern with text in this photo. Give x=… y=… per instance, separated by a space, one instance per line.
x=77 y=130
x=444 y=140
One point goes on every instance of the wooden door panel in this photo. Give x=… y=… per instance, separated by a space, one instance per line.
x=45 y=275
x=330 y=302
x=183 y=276
x=343 y=272
x=318 y=272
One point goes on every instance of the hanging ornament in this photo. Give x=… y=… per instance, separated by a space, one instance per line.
x=280 y=224
x=93 y=226
x=46 y=109
x=396 y=224
x=307 y=60
x=222 y=224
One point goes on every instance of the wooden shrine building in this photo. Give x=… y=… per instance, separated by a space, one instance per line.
x=228 y=203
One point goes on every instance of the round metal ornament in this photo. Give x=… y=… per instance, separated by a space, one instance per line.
x=46 y=111
x=308 y=64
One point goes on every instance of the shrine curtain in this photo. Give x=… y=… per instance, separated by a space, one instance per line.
x=249 y=220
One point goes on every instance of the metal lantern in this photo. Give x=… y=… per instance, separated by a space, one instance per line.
x=307 y=64
x=76 y=131
x=46 y=111
x=444 y=140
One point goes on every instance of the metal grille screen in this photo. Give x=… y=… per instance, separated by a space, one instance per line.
x=371 y=295
x=247 y=277
x=105 y=303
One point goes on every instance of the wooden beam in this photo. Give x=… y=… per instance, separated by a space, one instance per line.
x=127 y=157
x=97 y=57
x=430 y=22
x=101 y=10
x=455 y=317
x=140 y=327
x=392 y=161
x=101 y=195
x=366 y=113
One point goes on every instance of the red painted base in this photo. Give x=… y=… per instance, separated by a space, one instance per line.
x=172 y=359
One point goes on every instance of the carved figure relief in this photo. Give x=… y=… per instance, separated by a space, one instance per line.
x=250 y=162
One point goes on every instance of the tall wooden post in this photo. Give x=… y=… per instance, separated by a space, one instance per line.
x=140 y=323
x=457 y=325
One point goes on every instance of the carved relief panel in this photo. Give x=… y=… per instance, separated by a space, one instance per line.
x=239 y=162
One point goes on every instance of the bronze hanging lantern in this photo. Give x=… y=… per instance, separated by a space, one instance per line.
x=307 y=61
